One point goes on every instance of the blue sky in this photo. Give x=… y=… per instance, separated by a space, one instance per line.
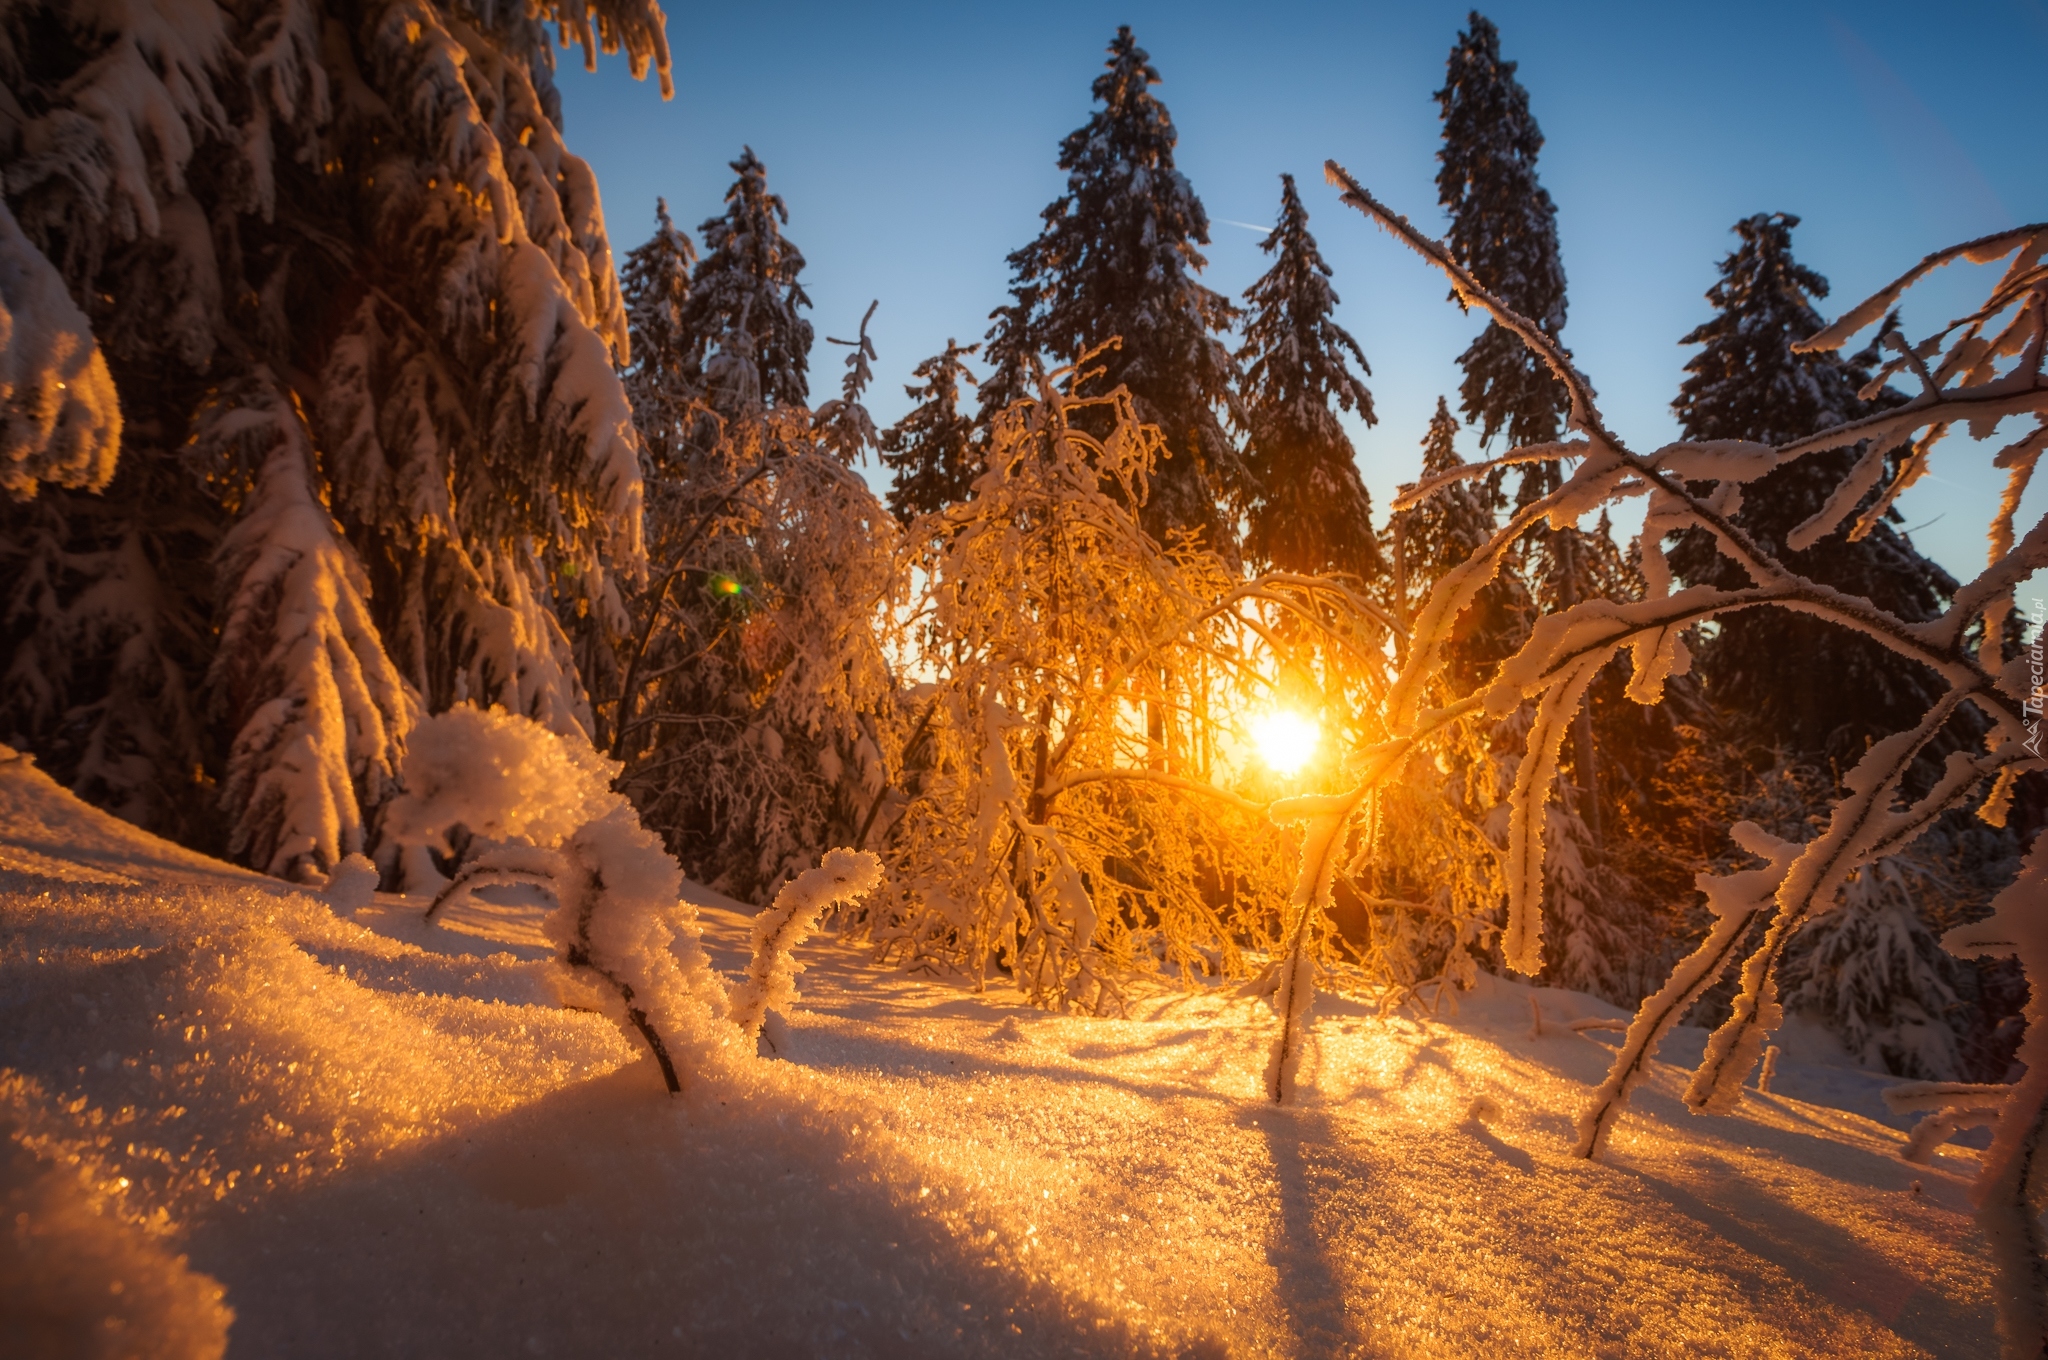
x=915 y=145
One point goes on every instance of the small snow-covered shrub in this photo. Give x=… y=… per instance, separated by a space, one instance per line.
x=540 y=810
x=492 y=773
x=757 y=707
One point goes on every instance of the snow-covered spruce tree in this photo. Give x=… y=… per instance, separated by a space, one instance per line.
x=1984 y=367
x=930 y=452
x=1749 y=382
x=1014 y=363
x=1311 y=512
x=358 y=304
x=1119 y=258
x=1898 y=1004
x=1504 y=230
x=749 y=698
x=1048 y=830
x=744 y=308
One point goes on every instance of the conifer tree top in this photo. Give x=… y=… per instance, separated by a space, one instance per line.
x=931 y=450
x=1440 y=442
x=1503 y=223
x=1118 y=257
x=1129 y=223
x=656 y=284
x=1294 y=350
x=1504 y=229
x=1311 y=512
x=1748 y=383
x=745 y=295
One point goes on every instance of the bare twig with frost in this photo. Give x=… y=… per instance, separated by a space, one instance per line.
x=1949 y=1107
x=1768 y=1073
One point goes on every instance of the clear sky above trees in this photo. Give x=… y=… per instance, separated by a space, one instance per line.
x=916 y=145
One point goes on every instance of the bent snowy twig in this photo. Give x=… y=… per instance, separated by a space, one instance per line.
x=844 y=876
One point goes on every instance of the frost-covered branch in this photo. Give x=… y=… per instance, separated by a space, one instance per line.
x=2009 y=1188
x=844 y=877
x=1324 y=819
x=1564 y=651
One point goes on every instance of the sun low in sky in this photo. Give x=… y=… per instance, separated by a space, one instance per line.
x=1285 y=740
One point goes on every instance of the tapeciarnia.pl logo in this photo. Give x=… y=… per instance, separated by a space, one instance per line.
x=2034 y=686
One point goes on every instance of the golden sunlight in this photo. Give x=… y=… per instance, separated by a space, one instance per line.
x=1286 y=740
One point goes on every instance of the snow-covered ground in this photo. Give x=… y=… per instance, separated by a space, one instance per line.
x=233 y=1112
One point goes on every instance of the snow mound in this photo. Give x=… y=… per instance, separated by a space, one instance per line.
x=76 y=1282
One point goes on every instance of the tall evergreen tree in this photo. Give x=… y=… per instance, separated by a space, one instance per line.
x=1311 y=512
x=931 y=450
x=357 y=302
x=1820 y=689
x=1118 y=257
x=745 y=300
x=1504 y=229
x=666 y=373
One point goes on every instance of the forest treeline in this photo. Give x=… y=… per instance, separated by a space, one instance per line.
x=332 y=408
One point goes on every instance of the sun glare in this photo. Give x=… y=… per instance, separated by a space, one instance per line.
x=1285 y=740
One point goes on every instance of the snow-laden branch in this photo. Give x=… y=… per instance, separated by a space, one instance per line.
x=844 y=876
x=1969 y=374
x=2008 y=1189
x=60 y=420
